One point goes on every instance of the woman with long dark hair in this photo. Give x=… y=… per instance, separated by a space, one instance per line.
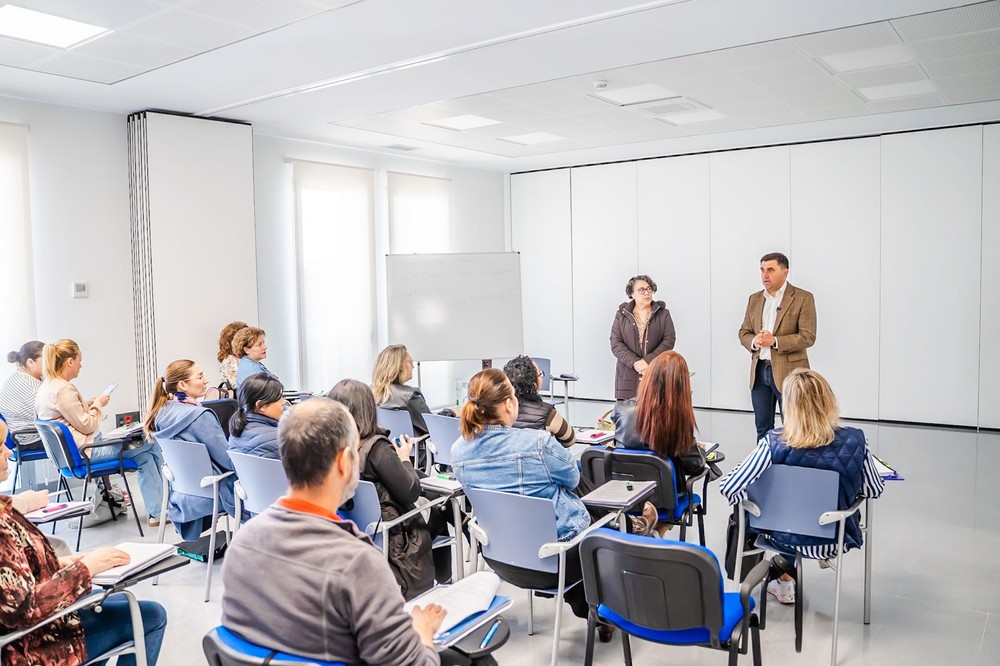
x=253 y=428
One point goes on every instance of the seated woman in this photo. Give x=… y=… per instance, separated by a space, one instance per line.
x=491 y=455
x=810 y=436
x=36 y=584
x=229 y=362
x=174 y=413
x=533 y=413
x=663 y=417
x=17 y=395
x=250 y=346
x=393 y=368
x=59 y=400
x=388 y=466
x=253 y=428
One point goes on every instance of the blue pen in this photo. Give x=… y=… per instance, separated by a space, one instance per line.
x=489 y=634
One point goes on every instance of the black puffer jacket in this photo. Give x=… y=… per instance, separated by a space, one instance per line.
x=660 y=337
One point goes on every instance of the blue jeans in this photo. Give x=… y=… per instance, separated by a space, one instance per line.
x=113 y=626
x=149 y=458
x=765 y=396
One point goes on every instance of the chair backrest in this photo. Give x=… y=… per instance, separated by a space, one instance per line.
x=189 y=463
x=656 y=583
x=59 y=445
x=396 y=421
x=224 y=648
x=263 y=480
x=545 y=365
x=224 y=408
x=791 y=500
x=366 y=509
x=443 y=431
x=517 y=526
x=632 y=465
x=9 y=440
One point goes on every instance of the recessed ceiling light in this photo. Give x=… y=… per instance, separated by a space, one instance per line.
x=898 y=90
x=33 y=26
x=897 y=54
x=642 y=94
x=463 y=122
x=532 y=139
x=692 y=117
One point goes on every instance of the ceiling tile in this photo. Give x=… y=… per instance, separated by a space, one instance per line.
x=797 y=89
x=538 y=92
x=190 y=31
x=715 y=83
x=733 y=97
x=847 y=40
x=475 y=104
x=959 y=21
x=676 y=68
x=84 y=67
x=958 y=46
x=907 y=103
x=835 y=112
x=883 y=76
x=132 y=49
x=15 y=53
x=972 y=82
x=974 y=95
x=790 y=71
x=112 y=14
x=258 y=14
x=975 y=64
x=756 y=55
x=845 y=101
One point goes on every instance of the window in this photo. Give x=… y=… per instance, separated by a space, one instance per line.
x=419 y=214
x=334 y=222
x=17 y=323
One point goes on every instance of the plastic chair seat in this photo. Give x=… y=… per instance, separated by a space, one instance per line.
x=29 y=455
x=732 y=615
x=234 y=642
x=102 y=468
x=678 y=512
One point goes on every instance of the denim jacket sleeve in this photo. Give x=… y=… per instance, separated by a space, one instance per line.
x=559 y=463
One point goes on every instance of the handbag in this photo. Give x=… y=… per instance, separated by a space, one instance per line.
x=732 y=548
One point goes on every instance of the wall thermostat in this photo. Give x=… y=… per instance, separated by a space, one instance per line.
x=81 y=290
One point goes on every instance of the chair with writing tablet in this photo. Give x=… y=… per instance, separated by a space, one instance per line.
x=667 y=592
x=259 y=484
x=225 y=648
x=366 y=512
x=444 y=432
x=521 y=531
x=187 y=468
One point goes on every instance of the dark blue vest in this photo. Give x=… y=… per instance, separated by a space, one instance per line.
x=846 y=456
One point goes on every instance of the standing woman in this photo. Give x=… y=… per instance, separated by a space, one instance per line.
x=175 y=413
x=250 y=346
x=641 y=331
x=59 y=400
x=393 y=368
x=17 y=395
x=229 y=362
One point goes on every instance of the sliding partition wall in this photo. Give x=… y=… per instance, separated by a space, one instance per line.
x=898 y=238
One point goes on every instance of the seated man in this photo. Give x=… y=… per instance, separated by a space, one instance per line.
x=300 y=580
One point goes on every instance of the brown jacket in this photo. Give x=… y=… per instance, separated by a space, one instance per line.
x=794 y=329
x=660 y=337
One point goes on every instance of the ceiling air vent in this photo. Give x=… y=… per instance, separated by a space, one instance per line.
x=679 y=105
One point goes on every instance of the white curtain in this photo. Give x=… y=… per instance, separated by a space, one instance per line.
x=17 y=318
x=420 y=223
x=336 y=273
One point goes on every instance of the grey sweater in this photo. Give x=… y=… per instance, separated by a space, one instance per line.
x=301 y=583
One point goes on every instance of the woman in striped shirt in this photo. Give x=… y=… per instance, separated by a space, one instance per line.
x=810 y=436
x=17 y=395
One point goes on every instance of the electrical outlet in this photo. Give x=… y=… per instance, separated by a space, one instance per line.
x=128 y=418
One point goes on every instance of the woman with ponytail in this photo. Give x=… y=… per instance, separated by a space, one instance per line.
x=490 y=455
x=253 y=428
x=59 y=400
x=175 y=413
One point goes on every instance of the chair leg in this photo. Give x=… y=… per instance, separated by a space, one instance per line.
x=163 y=514
x=701 y=528
x=135 y=512
x=531 y=612
x=755 y=637
x=763 y=596
x=626 y=648
x=800 y=599
x=211 y=545
x=588 y=656
x=734 y=652
x=836 y=603
x=79 y=527
x=559 y=607
x=683 y=532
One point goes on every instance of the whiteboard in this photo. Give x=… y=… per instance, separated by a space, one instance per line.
x=455 y=307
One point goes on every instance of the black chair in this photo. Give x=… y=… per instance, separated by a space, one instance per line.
x=224 y=410
x=601 y=464
x=666 y=592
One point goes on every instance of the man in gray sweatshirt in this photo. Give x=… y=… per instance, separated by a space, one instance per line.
x=300 y=580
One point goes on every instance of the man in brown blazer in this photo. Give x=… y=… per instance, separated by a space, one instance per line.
x=778 y=327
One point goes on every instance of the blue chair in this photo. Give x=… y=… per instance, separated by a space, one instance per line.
x=62 y=450
x=259 y=484
x=187 y=468
x=20 y=455
x=797 y=501
x=444 y=432
x=600 y=464
x=224 y=648
x=366 y=512
x=667 y=592
x=521 y=531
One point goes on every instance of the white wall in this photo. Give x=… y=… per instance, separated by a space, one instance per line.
x=989 y=338
x=78 y=172
x=477 y=216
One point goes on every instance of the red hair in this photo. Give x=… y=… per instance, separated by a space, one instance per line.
x=664 y=416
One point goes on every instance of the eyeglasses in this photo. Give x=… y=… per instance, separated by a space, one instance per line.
x=643 y=290
x=198 y=376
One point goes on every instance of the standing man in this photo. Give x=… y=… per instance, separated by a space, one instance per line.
x=778 y=327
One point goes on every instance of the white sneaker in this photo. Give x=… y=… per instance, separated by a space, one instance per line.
x=828 y=564
x=782 y=590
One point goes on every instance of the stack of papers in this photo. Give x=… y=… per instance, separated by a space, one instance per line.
x=143 y=555
x=469 y=596
x=592 y=436
x=887 y=473
x=122 y=432
x=58 y=510
x=439 y=484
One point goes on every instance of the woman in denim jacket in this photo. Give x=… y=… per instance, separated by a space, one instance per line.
x=491 y=455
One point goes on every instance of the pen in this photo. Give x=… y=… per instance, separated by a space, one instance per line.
x=54 y=508
x=490 y=633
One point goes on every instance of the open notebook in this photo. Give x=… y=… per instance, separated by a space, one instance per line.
x=468 y=597
x=142 y=554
